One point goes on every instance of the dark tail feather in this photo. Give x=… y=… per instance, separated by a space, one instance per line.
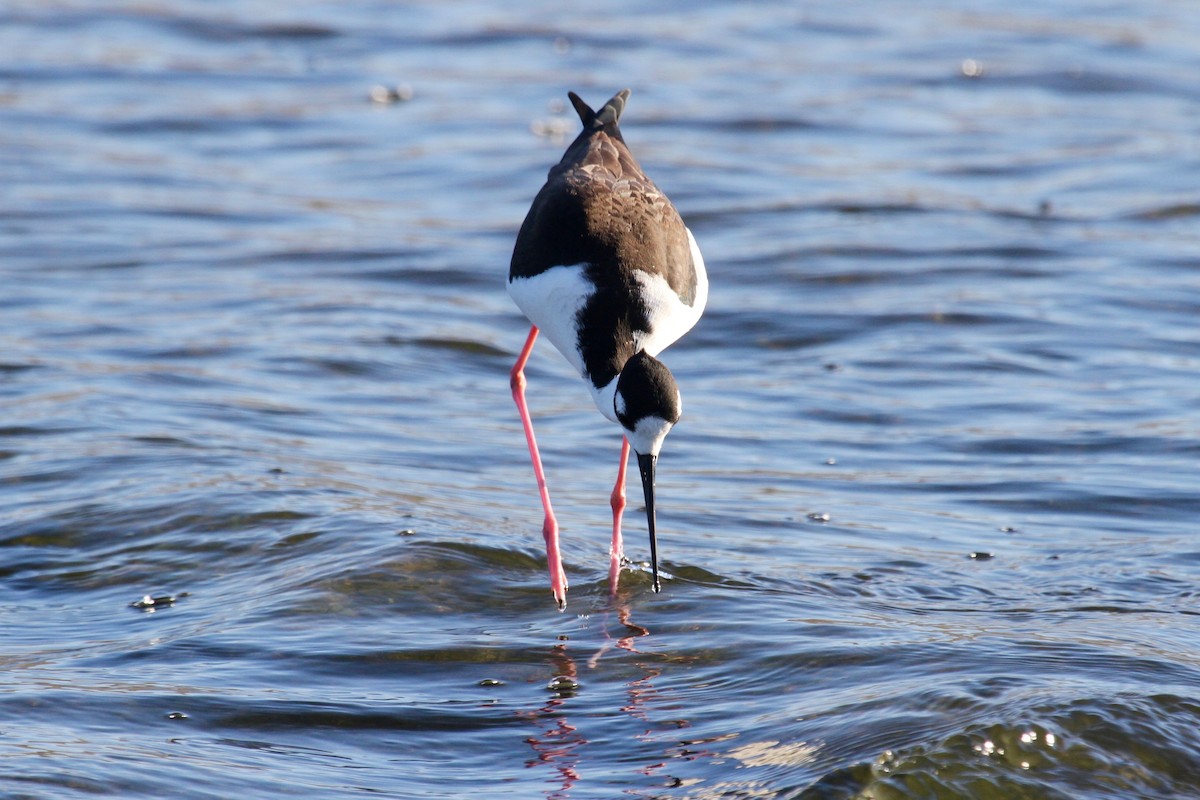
x=609 y=114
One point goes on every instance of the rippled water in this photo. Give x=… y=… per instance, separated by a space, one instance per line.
x=931 y=513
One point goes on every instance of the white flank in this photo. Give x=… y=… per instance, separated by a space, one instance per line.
x=551 y=300
x=669 y=316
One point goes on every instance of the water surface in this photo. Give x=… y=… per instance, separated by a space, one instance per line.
x=930 y=512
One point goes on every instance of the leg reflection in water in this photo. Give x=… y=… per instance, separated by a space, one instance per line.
x=574 y=727
x=559 y=741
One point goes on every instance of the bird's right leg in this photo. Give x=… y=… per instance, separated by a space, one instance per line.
x=558 y=578
x=617 y=550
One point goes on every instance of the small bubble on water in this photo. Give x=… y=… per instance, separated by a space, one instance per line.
x=830 y=461
x=151 y=603
x=406 y=532
x=491 y=682
x=563 y=683
x=554 y=128
x=971 y=68
x=386 y=95
x=819 y=516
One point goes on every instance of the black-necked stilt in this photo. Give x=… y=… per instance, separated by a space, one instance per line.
x=604 y=266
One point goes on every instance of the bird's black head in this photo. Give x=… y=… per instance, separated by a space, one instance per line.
x=647 y=402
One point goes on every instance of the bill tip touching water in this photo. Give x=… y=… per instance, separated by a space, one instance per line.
x=604 y=267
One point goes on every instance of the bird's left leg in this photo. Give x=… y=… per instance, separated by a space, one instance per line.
x=558 y=578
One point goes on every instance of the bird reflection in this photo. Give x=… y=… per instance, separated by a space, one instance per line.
x=561 y=745
x=557 y=744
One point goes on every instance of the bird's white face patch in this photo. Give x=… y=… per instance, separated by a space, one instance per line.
x=647 y=436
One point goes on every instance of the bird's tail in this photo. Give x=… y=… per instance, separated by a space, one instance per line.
x=609 y=113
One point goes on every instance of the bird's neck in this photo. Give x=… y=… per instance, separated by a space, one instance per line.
x=604 y=397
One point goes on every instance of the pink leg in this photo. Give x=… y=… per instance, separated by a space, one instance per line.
x=558 y=578
x=617 y=551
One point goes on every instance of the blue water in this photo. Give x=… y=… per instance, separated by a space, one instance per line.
x=930 y=514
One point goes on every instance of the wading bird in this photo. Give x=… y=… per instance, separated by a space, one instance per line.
x=606 y=269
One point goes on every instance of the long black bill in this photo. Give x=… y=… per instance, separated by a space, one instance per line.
x=646 y=466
